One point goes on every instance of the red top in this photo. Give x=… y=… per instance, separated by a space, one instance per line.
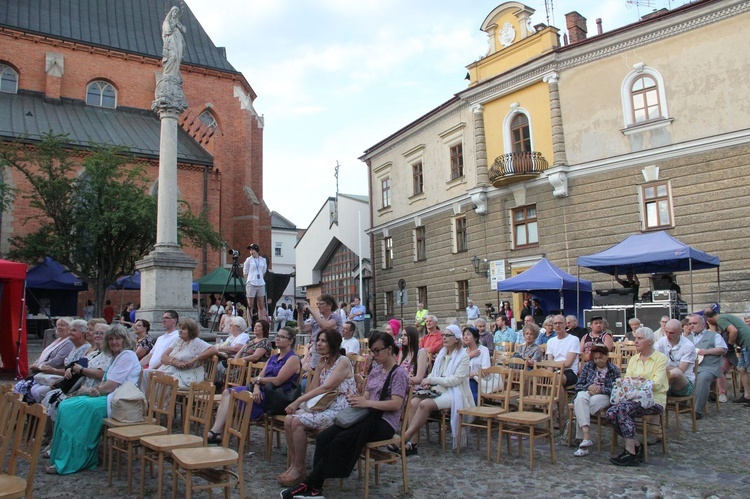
x=432 y=342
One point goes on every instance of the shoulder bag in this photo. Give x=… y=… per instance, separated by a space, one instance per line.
x=350 y=416
x=276 y=399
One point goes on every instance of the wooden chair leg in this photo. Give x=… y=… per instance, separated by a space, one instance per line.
x=367 y=473
x=531 y=446
x=460 y=427
x=552 y=442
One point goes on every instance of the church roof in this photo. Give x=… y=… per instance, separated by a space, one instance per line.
x=28 y=116
x=280 y=222
x=132 y=26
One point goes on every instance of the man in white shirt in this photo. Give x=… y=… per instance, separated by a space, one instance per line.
x=711 y=348
x=472 y=312
x=350 y=344
x=152 y=361
x=680 y=353
x=564 y=348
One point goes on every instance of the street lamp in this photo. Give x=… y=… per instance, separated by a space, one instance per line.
x=476 y=262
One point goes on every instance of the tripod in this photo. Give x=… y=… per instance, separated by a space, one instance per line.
x=234 y=273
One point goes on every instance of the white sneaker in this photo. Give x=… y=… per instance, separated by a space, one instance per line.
x=722 y=398
x=586 y=443
x=582 y=451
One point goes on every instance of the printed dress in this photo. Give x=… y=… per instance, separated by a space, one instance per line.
x=323 y=419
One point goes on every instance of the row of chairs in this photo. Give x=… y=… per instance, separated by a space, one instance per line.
x=21 y=432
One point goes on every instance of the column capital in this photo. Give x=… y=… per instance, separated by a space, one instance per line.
x=551 y=78
x=477 y=108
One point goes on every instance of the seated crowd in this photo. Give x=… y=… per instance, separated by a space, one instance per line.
x=76 y=376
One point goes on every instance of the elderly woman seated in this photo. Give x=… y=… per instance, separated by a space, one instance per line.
x=594 y=388
x=448 y=385
x=53 y=356
x=184 y=359
x=80 y=419
x=45 y=382
x=646 y=364
x=529 y=351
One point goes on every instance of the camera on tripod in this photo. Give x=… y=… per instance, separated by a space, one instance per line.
x=234 y=253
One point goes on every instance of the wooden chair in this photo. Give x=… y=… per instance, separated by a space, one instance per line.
x=126 y=439
x=498 y=381
x=27 y=444
x=505 y=346
x=210 y=371
x=274 y=425
x=626 y=351
x=236 y=375
x=156 y=448
x=374 y=454
x=646 y=424
x=543 y=386
x=681 y=405
x=364 y=347
x=358 y=363
x=601 y=421
x=561 y=399
x=442 y=418
x=10 y=406
x=212 y=463
x=713 y=391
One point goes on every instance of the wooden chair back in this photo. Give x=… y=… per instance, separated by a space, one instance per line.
x=494 y=386
x=199 y=408
x=27 y=444
x=162 y=396
x=539 y=388
x=253 y=371
x=505 y=346
x=626 y=352
x=515 y=363
x=10 y=406
x=615 y=358
x=238 y=420
x=360 y=381
x=300 y=349
x=364 y=346
x=358 y=363
x=236 y=373
x=499 y=358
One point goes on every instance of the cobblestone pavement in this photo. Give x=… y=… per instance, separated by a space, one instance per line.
x=713 y=462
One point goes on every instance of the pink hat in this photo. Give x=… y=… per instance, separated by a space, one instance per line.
x=395 y=326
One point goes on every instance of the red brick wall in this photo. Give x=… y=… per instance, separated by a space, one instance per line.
x=237 y=144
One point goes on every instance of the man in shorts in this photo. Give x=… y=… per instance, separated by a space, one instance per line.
x=254 y=271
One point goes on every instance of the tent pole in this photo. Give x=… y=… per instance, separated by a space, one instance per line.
x=692 y=295
x=21 y=320
x=578 y=292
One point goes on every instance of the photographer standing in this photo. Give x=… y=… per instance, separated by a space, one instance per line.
x=254 y=269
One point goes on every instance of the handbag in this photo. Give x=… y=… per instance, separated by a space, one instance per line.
x=350 y=416
x=640 y=391
x=187 y=377
x=128 y=404
x=275 y=400
x=46 y=379
x=319 y=402
x=66 y=385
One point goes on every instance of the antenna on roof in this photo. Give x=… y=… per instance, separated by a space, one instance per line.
x=337 y=177
x=641 y=3
x=550 y=8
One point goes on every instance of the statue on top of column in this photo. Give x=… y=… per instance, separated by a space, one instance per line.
x=169 y=94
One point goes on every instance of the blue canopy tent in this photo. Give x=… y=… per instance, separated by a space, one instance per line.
x=555 y=288
x=52 y=281
x=133 y=281
x=654 y=253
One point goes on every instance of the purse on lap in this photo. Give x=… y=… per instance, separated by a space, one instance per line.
x=640 y=391
x=319 y=402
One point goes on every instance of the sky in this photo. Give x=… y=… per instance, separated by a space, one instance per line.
x=334 y=77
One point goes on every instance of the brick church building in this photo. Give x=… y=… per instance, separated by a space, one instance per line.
x=88 y=68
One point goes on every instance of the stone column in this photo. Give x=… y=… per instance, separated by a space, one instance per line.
x=558 y=138
x=480 y=146
x=167 y=272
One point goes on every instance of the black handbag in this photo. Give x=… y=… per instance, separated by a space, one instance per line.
x=65 y=384
x=275 y=399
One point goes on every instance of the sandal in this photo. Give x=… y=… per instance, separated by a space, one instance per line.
x=411 y=449
x=393 y=448
x=213 y=437
x=291 y=478
x=50 y=470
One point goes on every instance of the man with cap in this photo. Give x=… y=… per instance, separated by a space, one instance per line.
x=254 y=271
x=472 y=312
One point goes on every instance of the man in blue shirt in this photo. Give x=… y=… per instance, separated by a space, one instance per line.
x=357 y=316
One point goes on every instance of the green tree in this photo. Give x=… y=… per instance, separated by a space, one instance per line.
x=97 y=223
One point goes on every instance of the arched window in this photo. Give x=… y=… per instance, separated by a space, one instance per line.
x=8 y=79
x=208 y=119
x=517 y=126
x=644 y=93
x=644 y=99
x=102 y=94
x=520 y=133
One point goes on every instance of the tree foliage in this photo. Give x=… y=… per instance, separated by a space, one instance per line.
x=93 y=214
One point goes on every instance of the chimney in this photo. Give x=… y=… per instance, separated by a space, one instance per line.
x=54 y=68
x=576 y=24
x=599 y=26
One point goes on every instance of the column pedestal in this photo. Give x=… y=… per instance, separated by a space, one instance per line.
x=166 y=284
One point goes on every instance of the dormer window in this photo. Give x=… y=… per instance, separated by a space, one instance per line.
x=101 y=94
